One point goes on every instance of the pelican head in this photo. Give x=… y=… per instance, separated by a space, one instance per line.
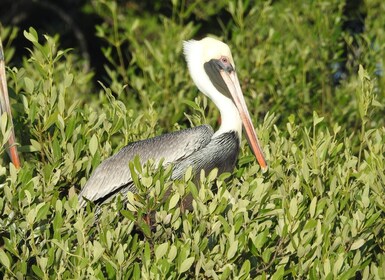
x=212 y=69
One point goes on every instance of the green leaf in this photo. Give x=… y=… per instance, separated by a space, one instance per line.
x=212 y=175
x=188 y=174
x=245 y=269
x=362 y=74
x=50 y=121
x=42 y=261
x=31 y=36
x=4 y=124
x=161 y=250
x=193 y=190
x=252 y=247
x=191 y=104
x=147 y=254
x=134 y=175
x=29 y=86
x=186 y=264
x=305 y=170
x=316 y=119
x=261 y=239
x=338 y=264
x=369 y=222
x=172 y=253
x=128 y=214
x=232 y=250
x=136 y=274
x=111 y=272
x=357 y=244
x=145 y=228
x=31 y=215
x=293 y=208
x=120 y=254
x=68 y=80
x=57 y=224
x=313 y=206
x=146 y=181
x=60 y=121
x=109 y=239
x=43 y=211
x=93 y=145
x=39 y=273
x=279 y=273
x=36 y=145
x=4 y=259
x=311 y=223
x=56 y=149
x=266 y=255
x=173 y=201
x=226 y=273
x=98 y=250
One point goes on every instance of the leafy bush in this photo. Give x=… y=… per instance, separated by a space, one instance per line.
x=317 y=213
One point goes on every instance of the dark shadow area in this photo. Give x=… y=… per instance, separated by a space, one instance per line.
x=76 y=27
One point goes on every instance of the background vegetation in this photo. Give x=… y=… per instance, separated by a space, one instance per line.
x=312 y=73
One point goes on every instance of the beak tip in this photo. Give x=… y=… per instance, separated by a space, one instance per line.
x=264 y=168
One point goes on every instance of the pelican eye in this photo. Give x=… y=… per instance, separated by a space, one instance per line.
x=224 y=60
x=225 y=64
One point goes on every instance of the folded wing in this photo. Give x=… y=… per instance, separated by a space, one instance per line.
x=113 y=174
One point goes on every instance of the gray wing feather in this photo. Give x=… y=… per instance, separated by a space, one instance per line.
x=222 y=153
x=113 y=173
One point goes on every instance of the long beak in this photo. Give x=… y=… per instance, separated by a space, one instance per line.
x=5 y=107
x=232 y=82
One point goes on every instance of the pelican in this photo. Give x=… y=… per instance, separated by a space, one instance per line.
x=212 y=69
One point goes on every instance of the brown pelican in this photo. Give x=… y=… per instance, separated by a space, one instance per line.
x=212 y=69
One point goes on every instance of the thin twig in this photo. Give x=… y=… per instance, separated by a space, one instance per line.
x=5 y=107
x=273 y=259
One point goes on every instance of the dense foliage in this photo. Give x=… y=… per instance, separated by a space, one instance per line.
x=317 y=213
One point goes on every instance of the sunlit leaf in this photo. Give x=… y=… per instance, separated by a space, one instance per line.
x=161 y=250
x=173 y=201
x=186 y=264
x=4 y=259
x=357 y=244
x=93 y=145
